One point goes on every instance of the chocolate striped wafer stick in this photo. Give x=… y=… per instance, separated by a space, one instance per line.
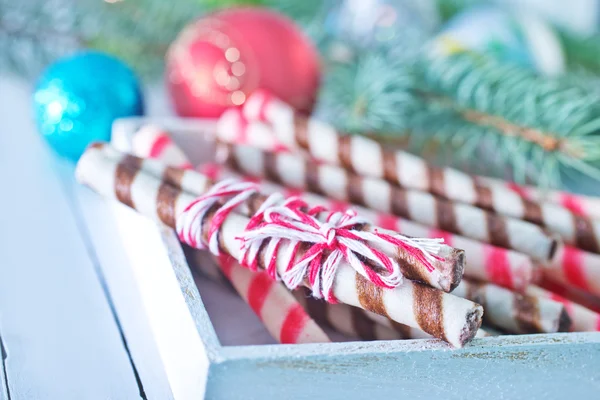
x=294 y=171
x=578 y=204
x=486 y=262
x=368 y=158
x=349 y=321
x=582 y=319
x=514 y=312
x=443 y=315
x=446 y=274
x=284 y=317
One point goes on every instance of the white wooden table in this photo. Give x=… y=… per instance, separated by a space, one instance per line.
x=60 y=334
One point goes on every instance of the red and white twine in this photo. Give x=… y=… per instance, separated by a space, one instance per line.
x=284 y=225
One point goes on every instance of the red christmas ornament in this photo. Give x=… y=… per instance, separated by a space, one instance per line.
x=217 y=61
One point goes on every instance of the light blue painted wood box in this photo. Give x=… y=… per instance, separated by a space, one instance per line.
x=197 y=365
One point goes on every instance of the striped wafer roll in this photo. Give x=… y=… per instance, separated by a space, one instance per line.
x=349 y=321
x=582 y=319
x=366 y=157
x=578 y=204
x=406 y=331
x=575 y=267
x=151 y=141
x=486 y=262
x=446 y=274
x=283 y=316
x=514 y=312
x=440 y=314
x=294 y=171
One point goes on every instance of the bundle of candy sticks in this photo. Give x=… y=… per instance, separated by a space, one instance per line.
x=511 y=238
x=517 y=312
x=362 y=266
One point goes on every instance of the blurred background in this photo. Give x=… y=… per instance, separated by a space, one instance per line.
x=500 y=87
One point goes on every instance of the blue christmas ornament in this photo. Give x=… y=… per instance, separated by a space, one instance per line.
x=77 y=99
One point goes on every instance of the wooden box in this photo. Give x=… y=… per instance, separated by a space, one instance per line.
x=202 y=358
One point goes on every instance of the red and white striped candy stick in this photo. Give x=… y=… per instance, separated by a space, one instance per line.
x=366 y=157
x=297 y=172
x=282 y=315
x=582 y=319
x=514 y=312
x=578 y=204
x=440 y=314
x=575 y=267
x=152 y=141
x=445 y=276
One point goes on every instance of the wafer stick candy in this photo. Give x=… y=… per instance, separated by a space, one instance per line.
x=285 y=318
x=575 y=267
x=442 y=315
x=578 y=204
x=582 y=319
x=368 y=158
x=514 y=312
x=348 y=320
x=294 y=171
x=152 y=141
x=406 y=331
x=488 y=263
x=445 y=275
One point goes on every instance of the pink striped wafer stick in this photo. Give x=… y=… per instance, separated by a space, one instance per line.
x=151 y=141
x=445 y=276
x=514 y=312
x=582 y=319
x=578 y=204
x=283 y=316
x=277 y=308
x=440 y=314
x=575 y=267
x=297 y=172
x=368 y=158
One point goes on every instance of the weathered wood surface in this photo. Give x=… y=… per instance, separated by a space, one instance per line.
x=60 y=335
x=535 y=367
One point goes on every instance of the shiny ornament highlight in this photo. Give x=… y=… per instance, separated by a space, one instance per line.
x=219 y=60
x=77 y=99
